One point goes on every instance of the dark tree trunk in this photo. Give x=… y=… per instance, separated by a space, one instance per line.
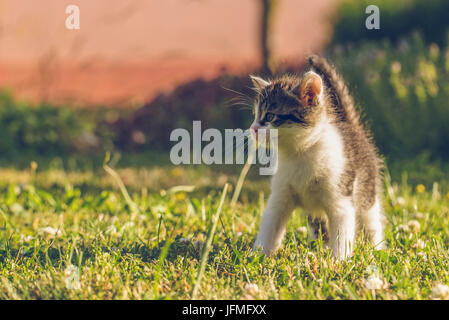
x=266 y=26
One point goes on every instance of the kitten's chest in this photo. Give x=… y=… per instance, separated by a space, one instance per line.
x=308 y=188
x=310 y=179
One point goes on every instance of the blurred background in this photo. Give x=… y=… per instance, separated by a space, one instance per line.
x=137 y=69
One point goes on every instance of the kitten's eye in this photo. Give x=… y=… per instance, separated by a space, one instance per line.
x=269 y=117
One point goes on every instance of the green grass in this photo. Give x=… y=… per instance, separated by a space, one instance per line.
x=154 y=250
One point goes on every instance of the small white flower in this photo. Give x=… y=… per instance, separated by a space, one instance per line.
x=138 y=137
x=396 y=67
x=401 y=201
x=184 y=240
x=440 y=292
x=16 y=207
x=251 y=289
x=419 y=215
x=372 y=270
x=373 y=282
x=26 y=238
x=17 y=190
x=422 y=254
x=302 y=230
x=403 y=228
x=111 y=230
x=127 y=225
x=52 y=231
x=419 y=244
x=72 y=277
x=414 y=226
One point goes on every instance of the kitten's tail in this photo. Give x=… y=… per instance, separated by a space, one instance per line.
x=338 y=91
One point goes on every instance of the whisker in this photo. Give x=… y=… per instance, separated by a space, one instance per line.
x=242 y=99
x=235 y=91
x=242 y=105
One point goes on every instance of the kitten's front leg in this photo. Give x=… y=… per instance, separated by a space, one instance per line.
x=274 y=220
x=342 y=228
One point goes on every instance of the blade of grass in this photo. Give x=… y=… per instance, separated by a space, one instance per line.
x=121 y=185
x=207 y=247
x=158 y=270
x=241 y=179
x=162 y=256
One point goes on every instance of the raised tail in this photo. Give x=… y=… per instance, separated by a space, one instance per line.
x=338 y=91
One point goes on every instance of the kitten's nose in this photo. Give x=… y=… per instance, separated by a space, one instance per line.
x=254 y=128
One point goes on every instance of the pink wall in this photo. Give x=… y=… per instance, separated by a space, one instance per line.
x=128 y=50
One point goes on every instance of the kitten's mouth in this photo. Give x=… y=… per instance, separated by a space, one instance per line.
x=262 y=131
x=264 y=135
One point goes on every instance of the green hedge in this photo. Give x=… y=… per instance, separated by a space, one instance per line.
x=403 y=90
x=37 y=129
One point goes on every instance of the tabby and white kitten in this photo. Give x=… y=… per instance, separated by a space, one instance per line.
x=328 y=164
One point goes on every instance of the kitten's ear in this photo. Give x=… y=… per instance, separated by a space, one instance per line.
x=259 y=83
x=310 y=89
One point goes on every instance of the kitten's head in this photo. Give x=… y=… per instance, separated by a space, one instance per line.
x=287 y=102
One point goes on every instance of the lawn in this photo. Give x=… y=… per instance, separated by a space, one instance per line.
x=75 y=234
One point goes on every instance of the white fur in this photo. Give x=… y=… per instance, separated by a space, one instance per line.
x=309 y=168
x=371 y=221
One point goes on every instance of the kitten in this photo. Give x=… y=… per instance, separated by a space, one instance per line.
x=328 y=164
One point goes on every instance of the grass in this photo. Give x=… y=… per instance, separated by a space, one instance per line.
x=71 y=234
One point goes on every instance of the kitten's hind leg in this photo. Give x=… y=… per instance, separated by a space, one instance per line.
x=317 y=226
x=341 y=228
x=372 y=225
